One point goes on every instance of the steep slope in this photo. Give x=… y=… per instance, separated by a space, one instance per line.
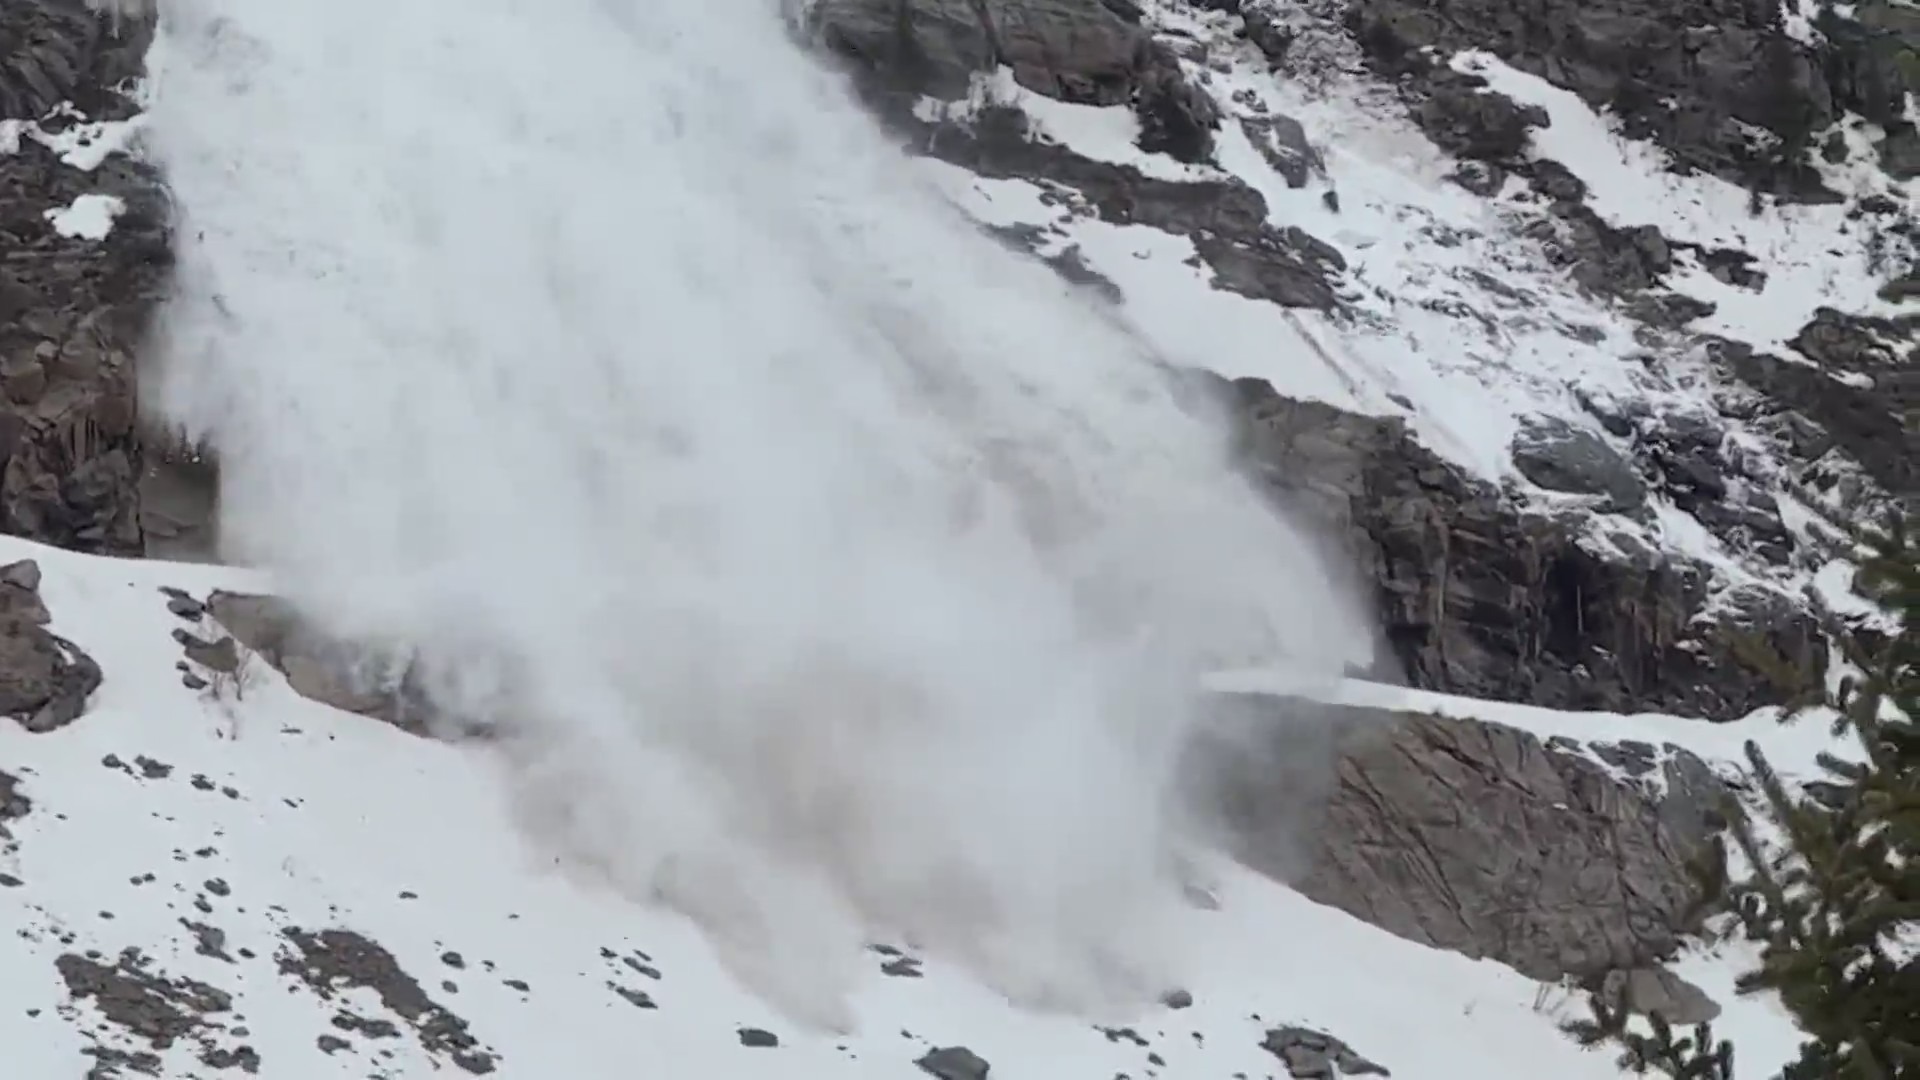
x=234 y=880
x=1566 y=409
x=1577 y=344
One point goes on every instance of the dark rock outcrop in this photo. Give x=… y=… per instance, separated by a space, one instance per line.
x=1861 y=394
x=1464 y=835
x=1480 y=597
x=73 y=310
x=1225 y=218
x=1696 y=77
x=1081 y=51
x=45 y=679
x=346 y=675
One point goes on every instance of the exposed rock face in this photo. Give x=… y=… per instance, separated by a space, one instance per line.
x=1694 y=77
x=1465 y=835
x=72 y=309
x=1480 y=597
x=345 y=675
x=1088 y=52
x=44 y=678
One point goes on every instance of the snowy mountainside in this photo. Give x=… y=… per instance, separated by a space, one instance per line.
x=1561 y=403
x=233 y=880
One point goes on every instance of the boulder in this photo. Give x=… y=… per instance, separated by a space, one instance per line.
x=45 y=679
x=350 y=676
x=1465 y=835
x=1478 y=595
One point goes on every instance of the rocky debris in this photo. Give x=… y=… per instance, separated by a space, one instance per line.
x=45 y=679
x=1316 y=1055
x=1561 y=457
x=1461 y=834
x=160 y=1012
x=1480 y=596
x=73 y=310
x=1699 y=78
x=346 y=675
x=954 y=1063
x=331 y=961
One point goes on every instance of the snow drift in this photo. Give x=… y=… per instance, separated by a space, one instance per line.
x=832 y=570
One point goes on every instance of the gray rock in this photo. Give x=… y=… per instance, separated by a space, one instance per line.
x=1477 y=596
x=1458 y=834
x=954 y=1063
x=1873 y=425
x=1226 y=219
x=1656 y=991
x=45 y=679
x=1075 y=50
x=72 y=310
x=1463 y=117
x=1695 y=76
x=1561 y=457
x=1316 y=1055
x=1283 y=142
x=346 y=675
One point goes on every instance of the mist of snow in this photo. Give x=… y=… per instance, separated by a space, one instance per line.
x=833 y=572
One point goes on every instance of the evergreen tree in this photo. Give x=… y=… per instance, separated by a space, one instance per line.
x=1835 y=905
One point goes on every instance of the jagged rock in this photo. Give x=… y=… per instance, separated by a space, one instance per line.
x=1479 y=597
x=954 y=1063
x=1695 y=76
x=72 y=310
x=345 y=675
x=1561 y=457
x=60 y=51
x=1283 y=142
x=1869 y=62
x=1074 y=50
x=179 y=499
x=1316 y=1055
x=1873 y=424
x=13 y=805
x=1465 y=118
x=1656 y=991
x=45 y=679
x=1081 y=51
x=1460 y=834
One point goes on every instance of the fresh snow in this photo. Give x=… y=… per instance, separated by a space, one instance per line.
x=88 y=217
x=257 y=813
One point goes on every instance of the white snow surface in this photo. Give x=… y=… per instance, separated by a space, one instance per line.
x=208 y=829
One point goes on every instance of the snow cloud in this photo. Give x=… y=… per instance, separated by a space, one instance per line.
x=832 y=571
